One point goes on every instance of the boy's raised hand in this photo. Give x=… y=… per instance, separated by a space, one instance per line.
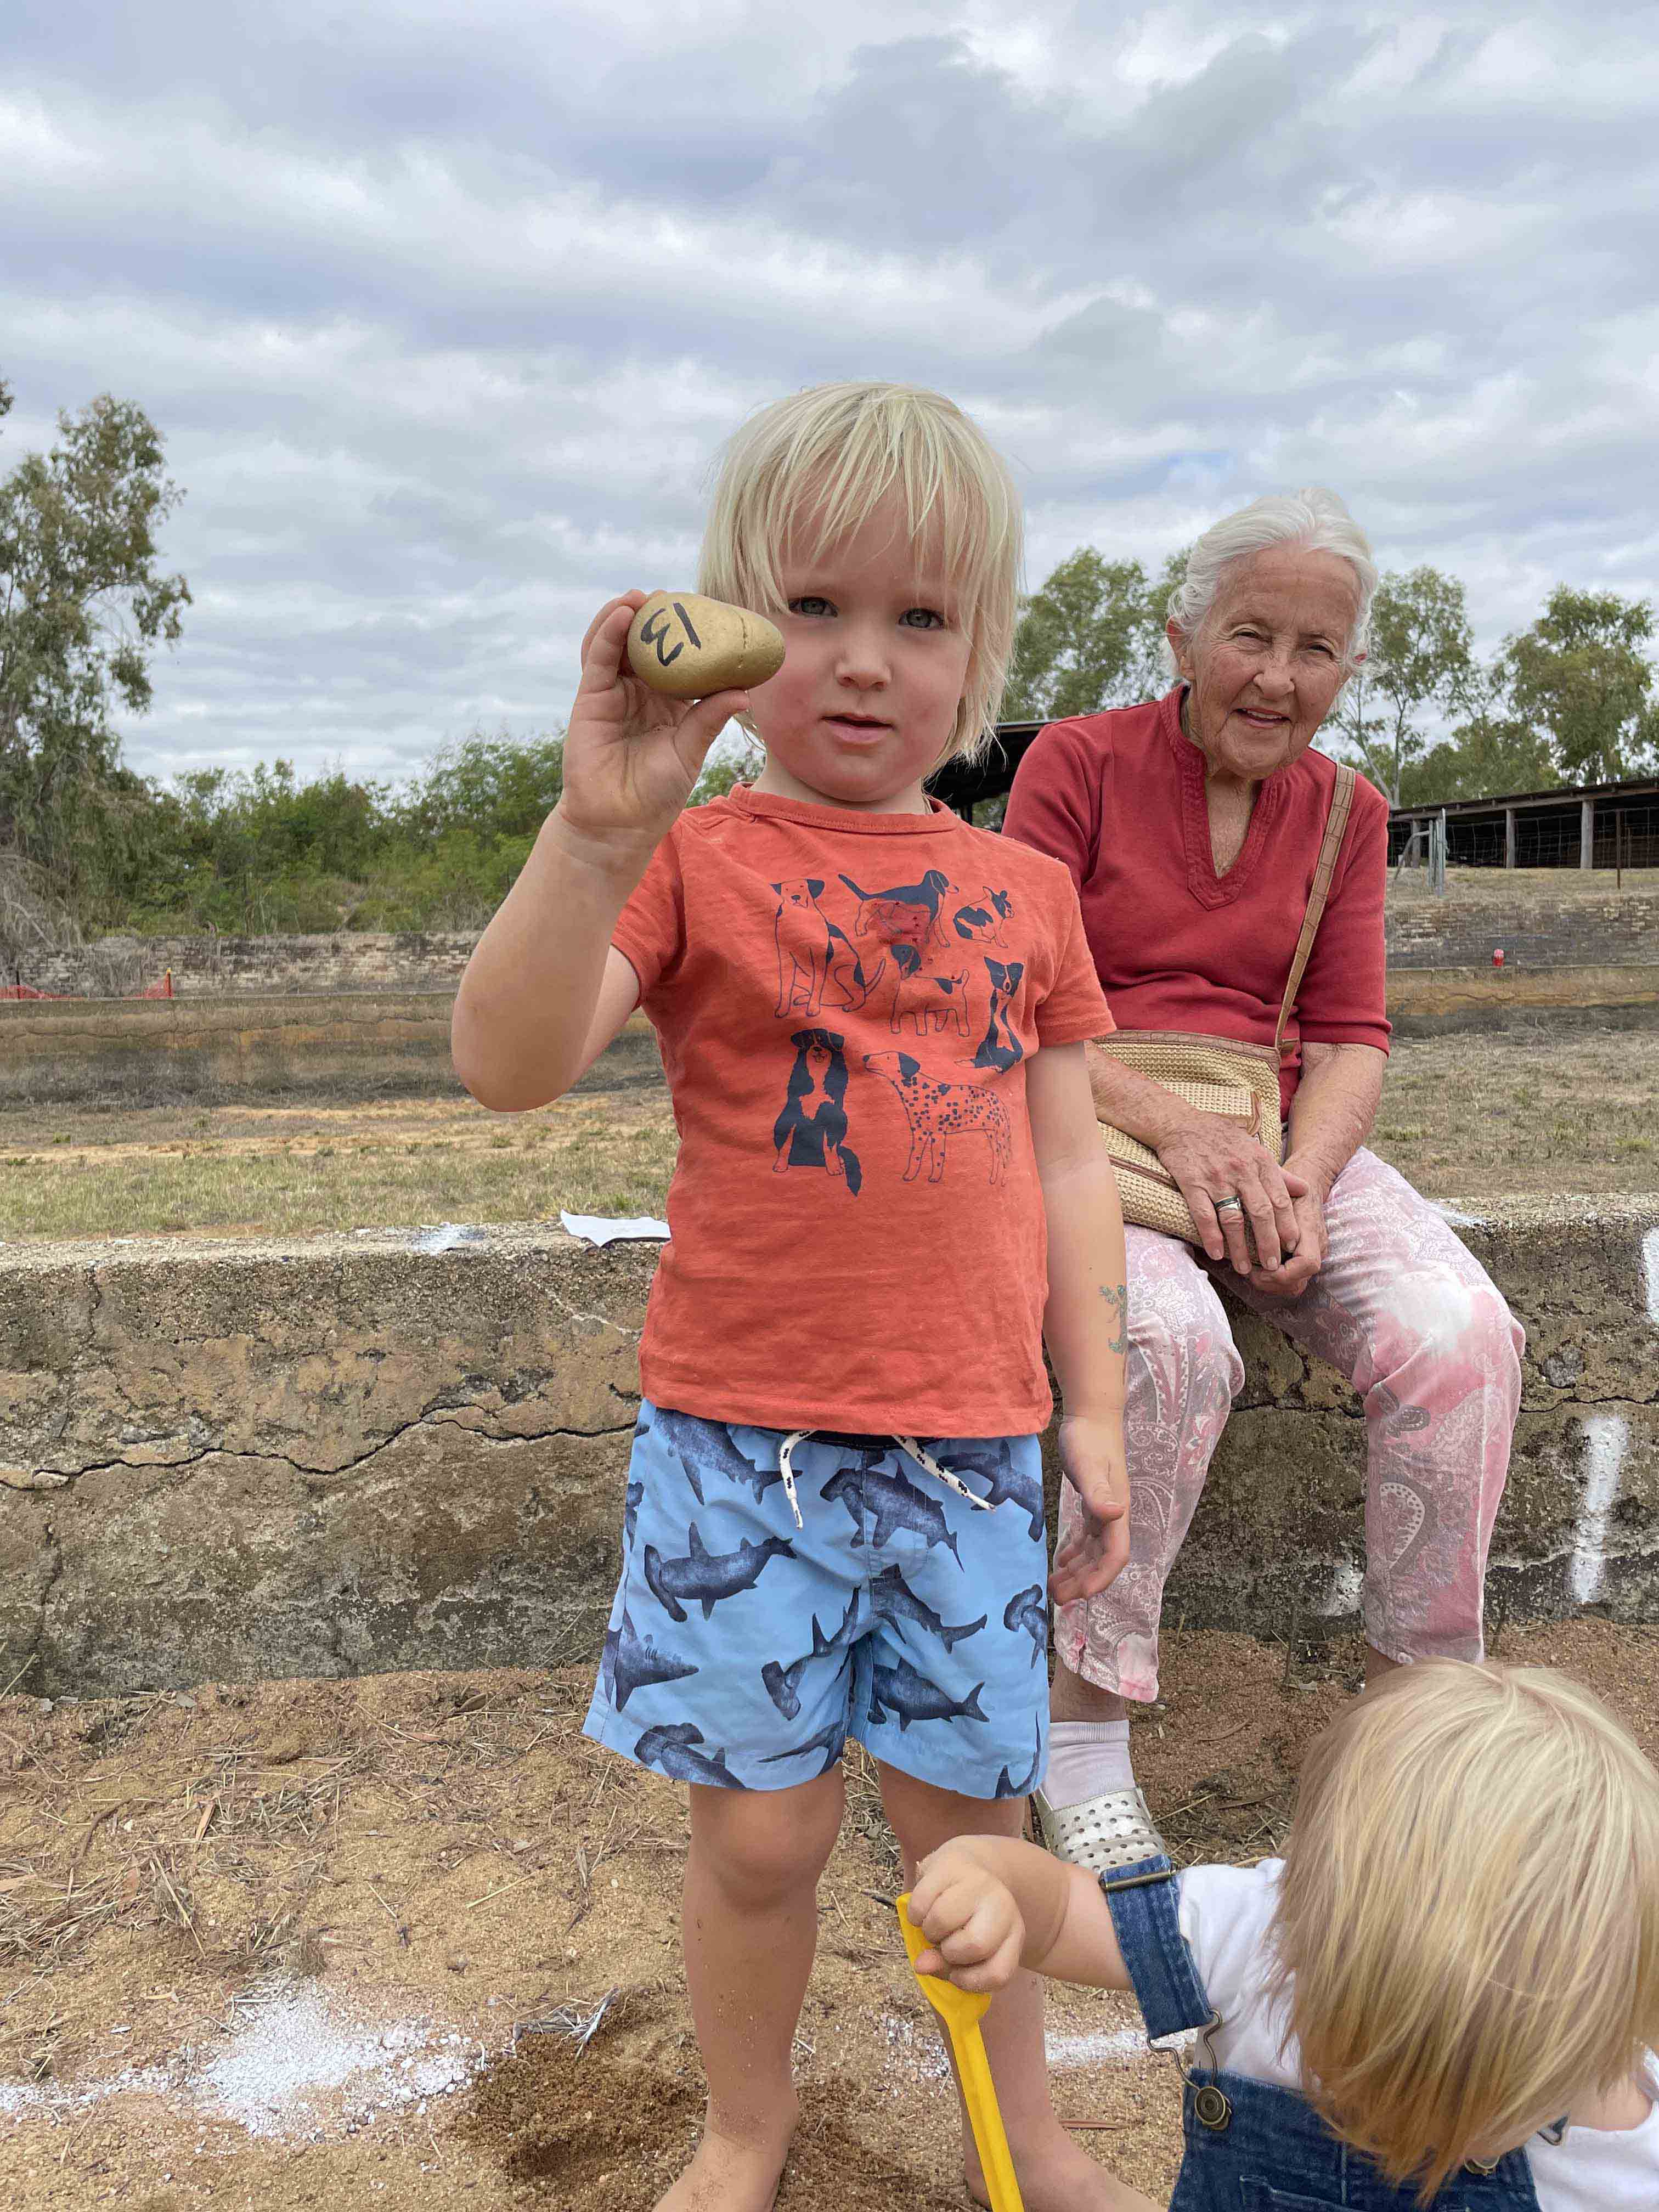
x=1091 y=1459
x=631 y=756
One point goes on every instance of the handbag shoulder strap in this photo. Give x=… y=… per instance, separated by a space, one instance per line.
x=1336 y=822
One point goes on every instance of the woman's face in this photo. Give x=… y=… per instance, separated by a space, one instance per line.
x=1268 y=659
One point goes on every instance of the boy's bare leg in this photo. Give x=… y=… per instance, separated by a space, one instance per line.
x=1055 y=2174
x=751 y=1879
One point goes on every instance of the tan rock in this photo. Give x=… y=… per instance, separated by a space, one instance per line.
x=687 y=645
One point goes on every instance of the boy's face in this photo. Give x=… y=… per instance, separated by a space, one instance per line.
x=863 y=707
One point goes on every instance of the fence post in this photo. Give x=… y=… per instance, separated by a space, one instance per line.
x=1587 y=833
x=1509 y=836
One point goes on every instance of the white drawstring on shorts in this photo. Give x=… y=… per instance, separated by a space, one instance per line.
x=910 y=1445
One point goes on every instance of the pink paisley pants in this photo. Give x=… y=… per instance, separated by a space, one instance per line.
x=1416 y=1325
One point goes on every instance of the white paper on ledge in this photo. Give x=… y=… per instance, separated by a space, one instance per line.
x=601 y=1229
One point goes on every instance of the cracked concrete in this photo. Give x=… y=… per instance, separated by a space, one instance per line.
x=340 y=1455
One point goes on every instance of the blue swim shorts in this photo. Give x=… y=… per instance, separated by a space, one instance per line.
x=744 y=1650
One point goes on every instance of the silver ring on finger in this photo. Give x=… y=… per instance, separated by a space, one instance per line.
x=1231 y=1205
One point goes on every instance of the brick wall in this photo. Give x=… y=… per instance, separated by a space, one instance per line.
x=1534 y=933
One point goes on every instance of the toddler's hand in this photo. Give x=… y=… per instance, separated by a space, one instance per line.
x=974 y=1930
x=631 y=756
x=1091 y=1458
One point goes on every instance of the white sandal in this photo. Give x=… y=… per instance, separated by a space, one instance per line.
x=1103 y=1834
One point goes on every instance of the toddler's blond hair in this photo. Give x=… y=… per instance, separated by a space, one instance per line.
x=807 y=468
x=1467 y=1934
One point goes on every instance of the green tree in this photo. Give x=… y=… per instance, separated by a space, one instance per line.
x=82 y=607
x=1420 y=664
x=1580 y=673
x=1090 y=638
x=499 y=786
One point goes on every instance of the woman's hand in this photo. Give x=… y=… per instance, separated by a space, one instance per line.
x=1298 y=1269
x=974 y=1929
x=631 y=756
x=1093 y=1461
x=1211 y=1158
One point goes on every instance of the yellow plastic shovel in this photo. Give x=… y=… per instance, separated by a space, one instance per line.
x=961 y=2010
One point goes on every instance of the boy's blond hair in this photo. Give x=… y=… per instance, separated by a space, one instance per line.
x=807 y=468
x=1467 y=1932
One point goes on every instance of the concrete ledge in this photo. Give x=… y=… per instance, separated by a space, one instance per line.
x=1422 y=1000
x=349 y=1453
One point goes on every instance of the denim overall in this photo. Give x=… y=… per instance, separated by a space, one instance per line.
x=1253 y=2146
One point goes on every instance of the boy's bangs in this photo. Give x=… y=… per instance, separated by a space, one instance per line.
x=884 y=465
x=803 y=473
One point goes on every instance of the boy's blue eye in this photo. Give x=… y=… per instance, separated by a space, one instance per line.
x=812 y=605
x=922 y=618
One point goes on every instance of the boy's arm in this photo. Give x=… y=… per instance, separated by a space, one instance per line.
x=543 y=993
x=1086 y=1323
x=989 y=1905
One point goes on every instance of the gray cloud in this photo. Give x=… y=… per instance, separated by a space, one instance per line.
x=445 y=312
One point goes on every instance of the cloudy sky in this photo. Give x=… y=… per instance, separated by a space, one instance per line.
x=443 y=308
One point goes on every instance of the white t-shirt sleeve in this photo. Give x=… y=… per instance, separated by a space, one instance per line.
x=1226 y=1916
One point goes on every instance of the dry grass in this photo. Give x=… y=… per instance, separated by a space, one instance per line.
x=1555 y=1109
x=1513 y=886
x=1549 y=1110
x=66 y=1172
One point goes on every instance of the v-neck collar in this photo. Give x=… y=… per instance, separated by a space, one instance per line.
x=1209 y=889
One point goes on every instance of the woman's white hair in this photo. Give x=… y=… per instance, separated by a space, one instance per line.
x=1313 y=518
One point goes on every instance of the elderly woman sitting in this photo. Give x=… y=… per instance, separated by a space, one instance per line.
x=1192 y=827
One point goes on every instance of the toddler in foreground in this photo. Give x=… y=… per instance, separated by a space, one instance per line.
x=1447 y=1992
x=890 y=1187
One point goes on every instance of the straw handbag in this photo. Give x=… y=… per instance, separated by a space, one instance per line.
x=1239 y=1082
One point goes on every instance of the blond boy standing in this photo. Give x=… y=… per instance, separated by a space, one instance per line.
x=890 y=1187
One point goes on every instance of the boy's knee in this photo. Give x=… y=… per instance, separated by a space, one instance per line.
x=760 y=1845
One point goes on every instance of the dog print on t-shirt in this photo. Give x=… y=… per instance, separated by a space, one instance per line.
x=932 y=1033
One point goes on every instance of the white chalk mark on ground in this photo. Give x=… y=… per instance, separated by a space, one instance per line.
x=915 y=2051
x=447 y=1236
x=1606 y=1438
x=1457 y=1221
x=1066 y=2052
x=295 y=2069
x=1650 y=1274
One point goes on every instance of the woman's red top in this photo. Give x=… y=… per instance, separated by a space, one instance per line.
x=1119 y=797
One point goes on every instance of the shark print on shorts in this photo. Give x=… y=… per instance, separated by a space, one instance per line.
x=742 y=1651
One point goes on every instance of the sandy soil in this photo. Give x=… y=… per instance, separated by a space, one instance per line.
x=338 y=1943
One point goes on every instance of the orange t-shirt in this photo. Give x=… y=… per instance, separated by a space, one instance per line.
x=846 y=1002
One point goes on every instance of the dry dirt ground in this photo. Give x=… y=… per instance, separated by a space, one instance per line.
x=310 y=1943
x=1466 y=1118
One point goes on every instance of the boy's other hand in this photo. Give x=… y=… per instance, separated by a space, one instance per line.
x=1091 y=1459
x=631 y=756
x=974 y=1930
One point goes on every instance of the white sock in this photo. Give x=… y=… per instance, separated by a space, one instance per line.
x=1085 y=1758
